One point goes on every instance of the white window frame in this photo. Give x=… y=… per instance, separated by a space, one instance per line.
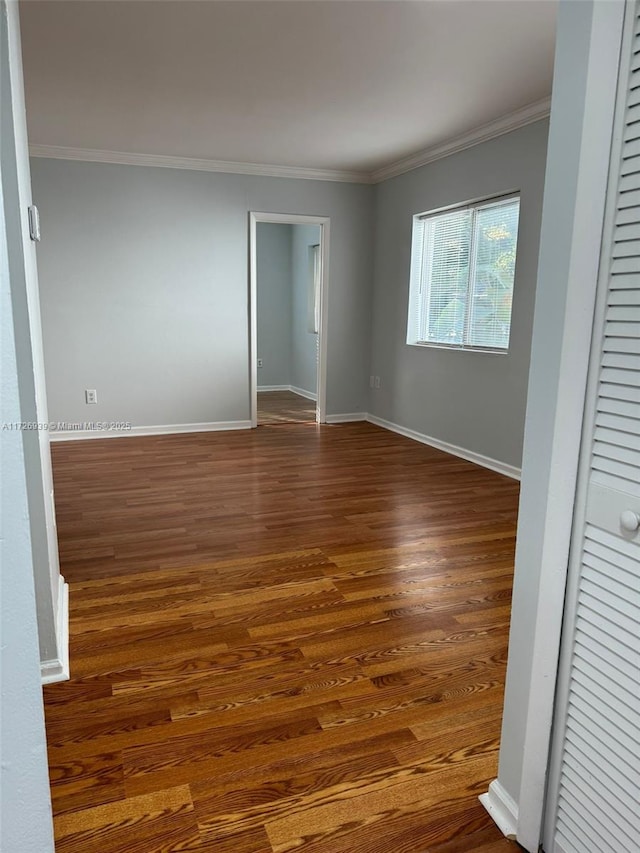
x=315 y=283
x=421 y=256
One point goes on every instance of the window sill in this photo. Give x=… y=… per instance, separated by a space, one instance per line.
x=457 y=347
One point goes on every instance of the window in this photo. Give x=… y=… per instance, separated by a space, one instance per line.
x=315 y=279
x=462 y=271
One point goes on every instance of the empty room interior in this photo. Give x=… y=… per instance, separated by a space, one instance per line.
x=320 y=453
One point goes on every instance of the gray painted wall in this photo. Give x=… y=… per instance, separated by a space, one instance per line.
x=145 y=296
x=273 y=266
x=304 y=344
x=144 y=277
x=473 y=400
x=25 y=805
x=286 y=346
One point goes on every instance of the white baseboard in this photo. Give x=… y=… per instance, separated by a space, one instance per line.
x=502 y=808
x=302 y=393
x=309 y=395
x=58 y=668
x=469 y=455
x=163 y=429
x=346 y=418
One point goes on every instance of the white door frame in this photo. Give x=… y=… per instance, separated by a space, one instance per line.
x=583 y=499
x=51 y=592
x=545 y=548
x=288 y=219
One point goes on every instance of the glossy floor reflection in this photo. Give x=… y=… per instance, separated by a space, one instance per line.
x=288 y=639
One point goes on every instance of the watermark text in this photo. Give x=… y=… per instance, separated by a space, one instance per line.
x=67 y=426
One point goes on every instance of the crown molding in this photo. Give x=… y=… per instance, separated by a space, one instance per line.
x=505 y=124
x=92 y=155
x=498 y=127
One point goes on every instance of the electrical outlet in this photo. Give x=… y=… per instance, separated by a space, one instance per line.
x=91 y=396
x=259 y=362
x=376 y=382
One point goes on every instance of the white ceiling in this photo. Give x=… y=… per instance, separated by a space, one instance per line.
x=326 y=84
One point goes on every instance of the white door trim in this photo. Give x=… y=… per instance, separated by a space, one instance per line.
x=580 y=516
x=288 y=219
x=561 y=455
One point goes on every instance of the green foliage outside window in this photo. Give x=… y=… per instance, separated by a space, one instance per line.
x=466 y=275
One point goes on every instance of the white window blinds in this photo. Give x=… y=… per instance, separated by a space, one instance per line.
x=462 y=274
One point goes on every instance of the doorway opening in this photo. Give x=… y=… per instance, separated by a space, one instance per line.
x=288 y=295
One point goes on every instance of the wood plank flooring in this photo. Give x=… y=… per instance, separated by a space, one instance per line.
x=281 y=639
x=278 y=407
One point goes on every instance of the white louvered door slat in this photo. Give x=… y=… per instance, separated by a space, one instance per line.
x=596 y=807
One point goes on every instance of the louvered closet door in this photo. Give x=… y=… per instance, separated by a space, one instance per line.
x=597 y=798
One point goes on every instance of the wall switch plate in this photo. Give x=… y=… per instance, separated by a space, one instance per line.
x=376 y=382
x=259 y=362
x=91 y=396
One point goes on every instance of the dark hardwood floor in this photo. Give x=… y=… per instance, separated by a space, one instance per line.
x=278 y=407
x=281 y=639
